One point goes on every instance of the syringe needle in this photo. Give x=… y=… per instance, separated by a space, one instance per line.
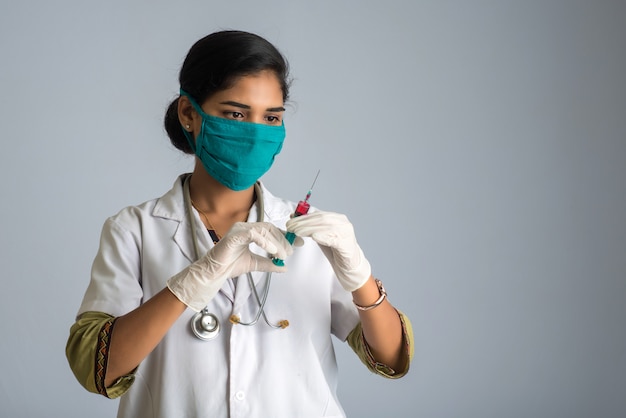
x=316 y=176
x=311 y=188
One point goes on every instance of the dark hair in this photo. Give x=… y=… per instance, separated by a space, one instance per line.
x=215 y=63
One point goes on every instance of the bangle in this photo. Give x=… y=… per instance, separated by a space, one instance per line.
x=383 y=295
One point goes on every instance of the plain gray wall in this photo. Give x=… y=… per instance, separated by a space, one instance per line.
x=479 y=147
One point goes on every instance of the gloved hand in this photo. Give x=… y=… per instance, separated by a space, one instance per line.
x=197 y=284
x=335 y=236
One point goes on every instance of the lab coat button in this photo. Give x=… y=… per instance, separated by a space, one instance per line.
x=240 y=396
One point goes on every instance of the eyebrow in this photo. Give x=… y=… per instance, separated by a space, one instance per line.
x=244 y=106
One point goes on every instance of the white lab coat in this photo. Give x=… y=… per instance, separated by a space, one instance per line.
x=247 y=372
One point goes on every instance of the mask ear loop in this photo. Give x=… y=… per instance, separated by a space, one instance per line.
x=197 y=108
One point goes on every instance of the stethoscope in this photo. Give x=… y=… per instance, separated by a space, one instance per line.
x=205 y=324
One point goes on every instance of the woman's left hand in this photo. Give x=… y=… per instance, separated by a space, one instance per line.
x=335 y=235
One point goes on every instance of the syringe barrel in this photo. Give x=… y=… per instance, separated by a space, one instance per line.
x=302 y=209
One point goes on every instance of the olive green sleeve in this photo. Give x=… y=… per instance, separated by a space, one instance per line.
x=87 y=352
x=357 y=342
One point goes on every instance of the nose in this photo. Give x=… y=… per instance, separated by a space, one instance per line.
x=257 y=118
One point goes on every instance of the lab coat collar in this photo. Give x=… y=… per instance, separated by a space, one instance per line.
x=172 y=206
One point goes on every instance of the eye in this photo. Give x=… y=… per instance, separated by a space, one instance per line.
x=233 y=115
x=273 y=119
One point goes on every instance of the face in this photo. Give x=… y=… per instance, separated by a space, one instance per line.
x=254 y=98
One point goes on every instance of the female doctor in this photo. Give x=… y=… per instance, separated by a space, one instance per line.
x=187 y=312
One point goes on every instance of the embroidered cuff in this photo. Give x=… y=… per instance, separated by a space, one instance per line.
x=87 y=354
x=102 y=356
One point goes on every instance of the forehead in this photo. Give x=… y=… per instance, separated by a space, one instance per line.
x=263 y=89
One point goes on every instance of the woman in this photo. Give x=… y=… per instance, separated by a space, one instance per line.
x=211 y=244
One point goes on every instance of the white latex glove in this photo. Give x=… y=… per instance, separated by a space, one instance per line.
x=335 y=236
x=197 y=284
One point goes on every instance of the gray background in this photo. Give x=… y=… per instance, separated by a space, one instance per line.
x=479 y=148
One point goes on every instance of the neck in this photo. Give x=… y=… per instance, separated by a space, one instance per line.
x=210 y=196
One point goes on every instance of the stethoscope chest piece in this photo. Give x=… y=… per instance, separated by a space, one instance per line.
x=205 y=325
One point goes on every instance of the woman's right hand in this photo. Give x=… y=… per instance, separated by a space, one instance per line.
x=197 y=284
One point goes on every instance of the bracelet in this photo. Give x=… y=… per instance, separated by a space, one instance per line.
x=383 y=295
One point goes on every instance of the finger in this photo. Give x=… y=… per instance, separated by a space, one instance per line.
x=307 y=225
x=267 y=265
x=317 y=220
x=271 y=239
x=283 y=246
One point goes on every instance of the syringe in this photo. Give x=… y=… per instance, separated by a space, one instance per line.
x=302 y=209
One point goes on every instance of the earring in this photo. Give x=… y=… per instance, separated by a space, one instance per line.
x=187 y=126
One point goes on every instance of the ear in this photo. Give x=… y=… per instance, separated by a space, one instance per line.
x=187 y=115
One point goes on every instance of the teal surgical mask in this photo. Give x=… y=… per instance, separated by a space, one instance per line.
x=235 y=153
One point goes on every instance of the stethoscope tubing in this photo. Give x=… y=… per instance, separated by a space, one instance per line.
x=200 y=316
